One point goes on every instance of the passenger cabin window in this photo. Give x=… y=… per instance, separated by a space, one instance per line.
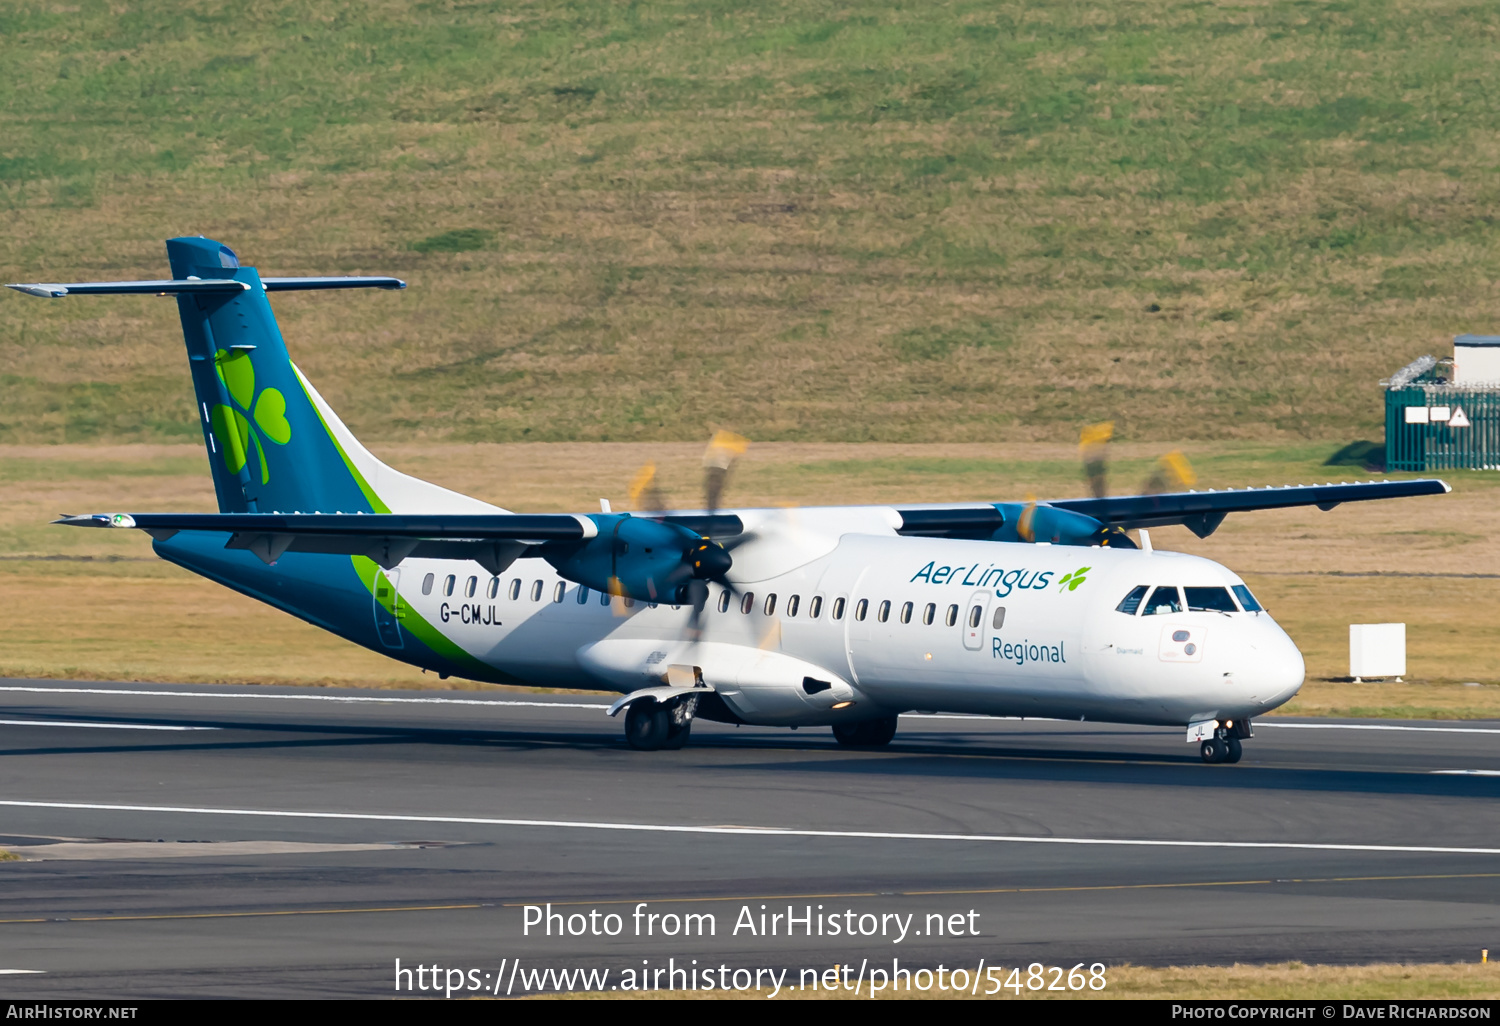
x=975 y=615
x=536 y=591
x=604 y=598
x=998 y=620
x=493 y=588
x=1131 y=604
x=952 y=617
x=770 y=604
x=929 y=612
x=1241 y=592
x=792 y=603
x=583 y=594
x=557 y=591
x=1163 y=600
x=470 y=587
x=838 y=608
x=1209 y=600
x=861 y=608
x=885 y=611
x=815 y=607
x=748 y=602
x=724 y=601
x=515 y=589
x=427 y=584
x=906 y=612
x=448 y=583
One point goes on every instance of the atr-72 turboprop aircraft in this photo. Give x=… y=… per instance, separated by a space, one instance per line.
x=835 y=616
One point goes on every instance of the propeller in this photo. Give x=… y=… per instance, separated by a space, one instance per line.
x=718 y=460
x=1171 y=473
x=708 y=560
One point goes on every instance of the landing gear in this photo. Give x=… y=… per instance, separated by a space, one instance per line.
x=650 y=725
x=865 y=733
x=1222 y=747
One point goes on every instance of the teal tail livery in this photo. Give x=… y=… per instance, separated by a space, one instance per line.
x=837 y=616
x=274 y=445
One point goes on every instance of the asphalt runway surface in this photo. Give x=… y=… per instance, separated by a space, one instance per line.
x=281 y=842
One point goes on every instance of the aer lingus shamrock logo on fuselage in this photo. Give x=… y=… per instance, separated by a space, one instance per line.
x=233 y=425
x=1071 y=581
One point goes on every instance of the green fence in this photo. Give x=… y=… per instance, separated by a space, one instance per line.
x=1442 y=427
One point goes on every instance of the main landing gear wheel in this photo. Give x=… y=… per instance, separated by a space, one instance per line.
x=651 y=726
x=865 y=733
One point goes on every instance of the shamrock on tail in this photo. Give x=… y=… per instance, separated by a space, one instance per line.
x=1073 y=580
x=232 y=427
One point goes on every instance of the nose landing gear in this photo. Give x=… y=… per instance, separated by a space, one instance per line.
x=1222 y=747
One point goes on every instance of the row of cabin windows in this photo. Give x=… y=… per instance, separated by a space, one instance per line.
x=747 y=601
x=929 y=612
x=471 y=587
x=1170 y=599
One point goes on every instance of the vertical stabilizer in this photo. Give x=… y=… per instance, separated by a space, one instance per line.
x=274 y=444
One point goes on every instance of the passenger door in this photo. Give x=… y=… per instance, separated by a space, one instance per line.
x=975 y=620
x=388 y=607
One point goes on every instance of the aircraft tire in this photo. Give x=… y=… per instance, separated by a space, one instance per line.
x=1213 y=750
x=677 y=736
x=1235 y=750
x=647 y=725
x=865 y=733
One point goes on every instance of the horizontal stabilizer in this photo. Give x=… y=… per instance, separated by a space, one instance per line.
x=132 y=288
x=172 y=287
x=309 y=284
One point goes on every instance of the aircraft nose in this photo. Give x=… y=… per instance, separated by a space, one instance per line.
x=1278 y=668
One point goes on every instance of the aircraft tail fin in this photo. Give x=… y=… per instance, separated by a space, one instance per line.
x=274 y=444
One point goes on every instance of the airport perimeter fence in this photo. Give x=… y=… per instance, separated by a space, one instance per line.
x=1442 y=427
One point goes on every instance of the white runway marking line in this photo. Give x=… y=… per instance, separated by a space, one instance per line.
x=19 y=972
x=590 y=705
x=753 y=831
x=1466 y=773
x=101 y=726
x=1379 y=726
x=299 y=698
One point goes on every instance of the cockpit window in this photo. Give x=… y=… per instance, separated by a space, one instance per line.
x=1209 y=600
x=1246 y=599
x=1163 y=600
x=1131 y=604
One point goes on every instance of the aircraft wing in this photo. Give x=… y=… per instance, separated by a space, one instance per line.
x=493 y=540
x=1200 y=511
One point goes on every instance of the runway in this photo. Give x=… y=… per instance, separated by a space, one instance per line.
x=206 y=841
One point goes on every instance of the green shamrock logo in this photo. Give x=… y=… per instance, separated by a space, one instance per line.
x=231 y=425
x=1073 y=580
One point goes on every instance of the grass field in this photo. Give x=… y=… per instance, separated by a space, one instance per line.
x=894 y=222
x=1284 y=981
x=96 y=604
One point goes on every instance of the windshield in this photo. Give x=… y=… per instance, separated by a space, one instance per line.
x=1163 y=600
x=1246 y=599
x=1210 y=600
x=1132 y=602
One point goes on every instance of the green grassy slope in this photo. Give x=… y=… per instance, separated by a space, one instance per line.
x=893 y=221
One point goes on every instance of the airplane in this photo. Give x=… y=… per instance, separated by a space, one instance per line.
x=836 y=616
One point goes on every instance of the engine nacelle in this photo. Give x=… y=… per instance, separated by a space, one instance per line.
x=647 y=560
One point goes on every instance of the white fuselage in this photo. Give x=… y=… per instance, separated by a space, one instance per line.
x=992 y=628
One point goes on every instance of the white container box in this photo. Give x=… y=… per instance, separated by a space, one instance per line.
x=1377 y=650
